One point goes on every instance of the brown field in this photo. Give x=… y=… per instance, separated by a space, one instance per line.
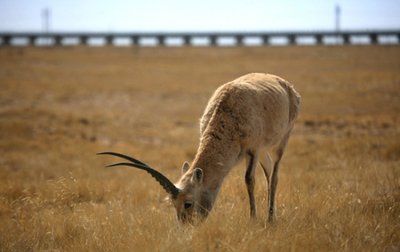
x=339 y=186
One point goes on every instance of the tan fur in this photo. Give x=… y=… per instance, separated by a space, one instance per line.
x=249 y=117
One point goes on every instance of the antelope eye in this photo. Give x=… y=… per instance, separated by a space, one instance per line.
x=188 y=205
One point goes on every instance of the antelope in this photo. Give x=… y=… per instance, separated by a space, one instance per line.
x=250 y=117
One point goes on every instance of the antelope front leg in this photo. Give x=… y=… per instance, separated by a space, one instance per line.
x=251 y=161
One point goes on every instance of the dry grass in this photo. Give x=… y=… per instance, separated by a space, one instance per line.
x=339 y=185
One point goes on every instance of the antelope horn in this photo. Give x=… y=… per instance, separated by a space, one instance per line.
x=164 y=181
x=133 y=160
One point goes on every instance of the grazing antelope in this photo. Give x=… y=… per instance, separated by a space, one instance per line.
x=250 y=117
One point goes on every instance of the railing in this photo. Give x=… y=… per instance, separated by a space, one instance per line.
x=208 y=38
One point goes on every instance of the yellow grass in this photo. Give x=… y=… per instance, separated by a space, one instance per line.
x=339 y=186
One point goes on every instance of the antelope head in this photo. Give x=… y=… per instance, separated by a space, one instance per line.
x=188 y=197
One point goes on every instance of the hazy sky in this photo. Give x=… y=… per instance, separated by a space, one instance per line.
x=205 y=15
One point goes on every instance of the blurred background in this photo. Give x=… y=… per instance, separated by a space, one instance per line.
x=188 y=17
x=207 y=15
x=81 y=77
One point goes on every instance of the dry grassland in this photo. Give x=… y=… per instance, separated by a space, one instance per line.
x=339 y=186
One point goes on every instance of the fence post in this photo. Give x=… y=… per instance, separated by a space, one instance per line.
x=186 y=40
x=109 y=40
x=346 y=39
x=373 y=38
x=161 y=40
x=57 y=40
x=213 y=40
x=318 y=39
x=265 y=40
x=135 y=40
x=239 y=40
x=84 y=40
x=31 y=40
x=292 y=39
x=7 y=40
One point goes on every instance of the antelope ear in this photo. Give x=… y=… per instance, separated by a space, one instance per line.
x=197 y=175
x=185 y=167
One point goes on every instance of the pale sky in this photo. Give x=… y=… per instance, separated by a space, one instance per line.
x=205 y=15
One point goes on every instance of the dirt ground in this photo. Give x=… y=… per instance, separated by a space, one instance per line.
x=339 y=183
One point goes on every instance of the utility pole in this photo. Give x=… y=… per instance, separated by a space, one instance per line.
x=46 y=20
x=46 y=24
x=337 y=18
x=337 y=22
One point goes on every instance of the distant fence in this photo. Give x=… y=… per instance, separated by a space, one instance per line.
x=200 y=38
